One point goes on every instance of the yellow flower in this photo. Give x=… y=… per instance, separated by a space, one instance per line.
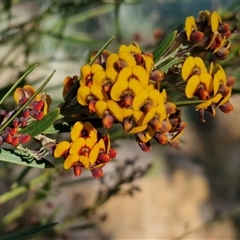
x=88 y=149
x=83 y=151
x=192 y=65
x=119 y=61
x=132 y=48
x=129 y=82
x=109 y=111
x=87 y=72
x=84 y=130
x=105 y=79
x=21 y=95
x=204 y=80
x=87 y=96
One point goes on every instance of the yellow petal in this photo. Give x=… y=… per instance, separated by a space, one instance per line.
x=135 y=86
x=125 y=74
x=61 y=148
x=190 y=25
x=92 y=132
x=138 y=129
x=192 y=86
x=207 y=80
x=76 y=130
x=85 y=72
x=82 y=95
x=98 y=92
x=138 y=116
x=162 y=98
x=124 y=48
x=205 y=105
x=127 y=112
x=101 y=108
x=18 y=94
x=141 y=75
x=222 y=76
x=149 y=134
x=200 y=64
x=211 y=68
x=77 y=145
x=134 y=48
x=149 y=87
x=89 y=143
x=99 y=78
x=96 y=67
x=94 y=154
x=149 y=64
x=217 y=98
x=111 y=74
x=85 y=161
x=216 y=83
x=118 y=89
x=215 y=19
x=149 y=116
x=29 y=90
x=187 y=68
x=153 y=96
x=70 y=160
x=115 y=109
x=226 y=98
x=161 y=112
x=127 y=58
x=101 y=145
x=139 y=100
x=111 y=60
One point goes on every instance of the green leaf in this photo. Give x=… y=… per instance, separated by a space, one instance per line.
x=167 y=66
x=19 y=157
x=26 y=233
x=164 y=45
x=41 y=126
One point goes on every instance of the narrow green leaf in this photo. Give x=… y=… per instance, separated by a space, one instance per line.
x=41 y=126
x=16 y=84
x=167 y=66
x=164 y=45
x=19 y=157
x=102 y=49
x=26 y=233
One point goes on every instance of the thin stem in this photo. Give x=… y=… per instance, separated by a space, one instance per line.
x=22 y=189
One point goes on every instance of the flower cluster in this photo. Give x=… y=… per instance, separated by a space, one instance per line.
x=87 y=149
x=35 y=111
x=130 y=88
x=211 y=85
x=124 y=87
x=209 y=33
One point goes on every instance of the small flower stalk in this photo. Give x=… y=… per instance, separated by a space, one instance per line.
x=132 y=89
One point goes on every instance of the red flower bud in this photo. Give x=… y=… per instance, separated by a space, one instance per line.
x=77 y=169
x=97 y=172
x=15 y=141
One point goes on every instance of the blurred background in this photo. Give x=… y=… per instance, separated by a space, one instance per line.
x=189 y=192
